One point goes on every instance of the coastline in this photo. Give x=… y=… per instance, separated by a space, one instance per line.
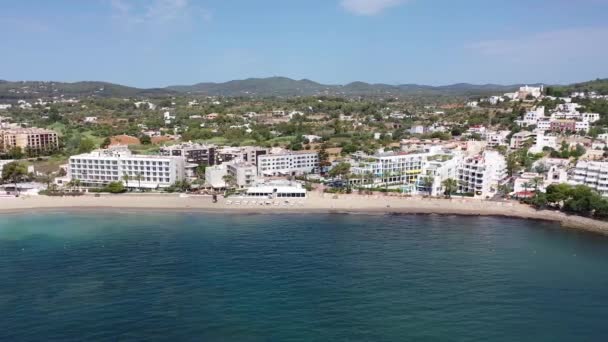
x=314 y=204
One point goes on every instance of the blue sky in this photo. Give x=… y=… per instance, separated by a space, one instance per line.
x=153 y=43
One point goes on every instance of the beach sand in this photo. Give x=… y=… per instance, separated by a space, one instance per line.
x=315 y=203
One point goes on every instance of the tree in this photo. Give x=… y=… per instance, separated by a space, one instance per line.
x=179 y=186
x=340 y=170
x=14 y=172
x=74 y=183
x=145 y=139
x=115 y=188
x=512 y=165
x=230 y=180
x=536 y=182
x=15 y=153
x=526 y=186
x=427 y=183
x=450 y=185
x=323 y=157
x=504 y=190
x=106 y=142
x=86 y=145
x=200 y=171
x=539 y=200
x=45 y=178
x=138 y=178
x=126 y=178
x=558 y=193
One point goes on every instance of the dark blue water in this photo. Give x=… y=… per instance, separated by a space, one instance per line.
x=198 y=277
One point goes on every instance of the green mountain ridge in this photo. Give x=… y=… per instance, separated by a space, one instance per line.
x=265 y=87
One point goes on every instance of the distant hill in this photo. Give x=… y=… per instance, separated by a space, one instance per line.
x=36 y=89
x=282 y=86
x=599 y=85
x=272 y=86
x=264 y=87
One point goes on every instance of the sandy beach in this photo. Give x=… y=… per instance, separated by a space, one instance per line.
x=315 y=203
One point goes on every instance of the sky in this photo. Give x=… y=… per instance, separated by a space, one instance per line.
x=156 y=43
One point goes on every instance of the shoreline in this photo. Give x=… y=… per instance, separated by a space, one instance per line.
x=314 y=204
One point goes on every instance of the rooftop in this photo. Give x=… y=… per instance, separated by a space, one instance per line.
x=32 y=130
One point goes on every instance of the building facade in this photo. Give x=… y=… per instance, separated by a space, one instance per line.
x=118 y=164
x=391 y=168
x=194 y=153
x=436 y=170
x=480 y=175
x=593 y=175
x=288 y=164
x=30 y=140
x=244 y=174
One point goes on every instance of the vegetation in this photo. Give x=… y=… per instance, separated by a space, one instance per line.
x=14 y=172
x=578 y=199
x=451 y=186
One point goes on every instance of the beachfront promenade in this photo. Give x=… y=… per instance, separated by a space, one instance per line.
x=315 y=203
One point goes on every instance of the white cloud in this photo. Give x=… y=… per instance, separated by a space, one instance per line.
x=133 y=12
x=369 y=7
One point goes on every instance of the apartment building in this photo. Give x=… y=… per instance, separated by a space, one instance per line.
x=194 y=153
x=392 y=167
x=244 y=174
x=288 y=164
x=102 y=167
x=436 y=170
x=497 y=138
x=521 y=139
x=214 y=176
x=481 y=174
x=543 y=141
x=36 y=140
x=562 y=125
x=247 y=154
x=593 y=175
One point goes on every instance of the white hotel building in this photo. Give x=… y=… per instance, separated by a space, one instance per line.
x=102 y=167
x=593 y=175
x=288 y=164
x=481 y=174
x=393 y=168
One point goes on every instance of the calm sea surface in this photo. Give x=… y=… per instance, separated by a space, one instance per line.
x=201 y=277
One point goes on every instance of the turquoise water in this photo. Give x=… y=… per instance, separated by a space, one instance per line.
x=198 y=277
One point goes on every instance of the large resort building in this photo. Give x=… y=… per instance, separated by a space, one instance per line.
x=102 y=167
x=288 y=164
x=390 y=168
x=29 y=140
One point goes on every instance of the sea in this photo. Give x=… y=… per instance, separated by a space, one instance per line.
x=175 y=276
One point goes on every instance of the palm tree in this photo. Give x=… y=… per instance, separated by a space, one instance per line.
x=427 y=182
x=368 y=178
x=450 y=185
x=77 y=183
x=504 y=189
x=537 y=181
x=138 y=177
x=230 y=180
x=126 y=178
x=526 y=186
x=386 y=181
x=74 y=183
